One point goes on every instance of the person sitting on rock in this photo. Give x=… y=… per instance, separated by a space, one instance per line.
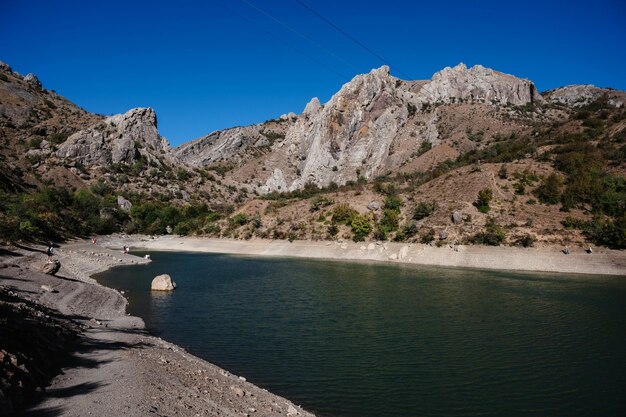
x=566 y=250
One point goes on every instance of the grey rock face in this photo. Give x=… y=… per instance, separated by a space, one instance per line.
x=312 y=107
x=457 y=217
x=368 y=128
x=123 y=203
x=358 y=123
x=579 y=95
x=32 y=80
x=478 y=84
x=122 y=138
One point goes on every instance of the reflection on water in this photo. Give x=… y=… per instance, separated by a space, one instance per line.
x=354 y=339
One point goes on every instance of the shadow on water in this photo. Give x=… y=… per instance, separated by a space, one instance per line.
x=363 y=339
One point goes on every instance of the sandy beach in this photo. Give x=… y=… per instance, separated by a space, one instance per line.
x=116 y=368
x=547 y=259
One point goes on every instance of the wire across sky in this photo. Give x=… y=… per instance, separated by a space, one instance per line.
x=208 y=65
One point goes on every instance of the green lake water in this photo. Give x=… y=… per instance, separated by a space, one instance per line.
x=347 y=339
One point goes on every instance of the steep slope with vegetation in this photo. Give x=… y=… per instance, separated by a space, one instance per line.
x=472 y=156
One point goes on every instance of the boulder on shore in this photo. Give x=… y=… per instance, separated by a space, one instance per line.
x=51 y=268
x=162 y=283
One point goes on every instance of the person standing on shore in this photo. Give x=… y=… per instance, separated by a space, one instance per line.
x=50 y=252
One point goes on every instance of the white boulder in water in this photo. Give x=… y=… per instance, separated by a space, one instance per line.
x=163 y=283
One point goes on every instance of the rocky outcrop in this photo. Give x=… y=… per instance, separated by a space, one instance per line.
x=123 y=204
x=51 y=268
x=358 y=124
x=580 y=95
x=32 y=79
x=312 y=107
x=371 y=126
x=163 y=283
x=122 y=138
x=478 y=84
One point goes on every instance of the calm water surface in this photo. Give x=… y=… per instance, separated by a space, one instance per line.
x=353 y=339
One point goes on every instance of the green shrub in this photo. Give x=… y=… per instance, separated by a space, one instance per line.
x=343 y=213
x=424 y=209
x=393 y=202
x=503 y=172
x=389 y=221
x=484 y=198
x=492 y=235
x=361 y=227
x=406 y=232
x=182 y=175
x=424 y=147
x=613 y=233
x=240 y=219
x=35 y=142
x=549 y=192
x=428 y=236
x=526 y=241
x=572 y=223
x=319 y=202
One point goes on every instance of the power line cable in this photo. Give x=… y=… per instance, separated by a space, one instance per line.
x=352 y=38
x=303 y=36
x=368 y=49
x=242 y=17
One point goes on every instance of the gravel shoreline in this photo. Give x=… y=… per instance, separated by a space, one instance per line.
x=541 y=259
x=117 y=368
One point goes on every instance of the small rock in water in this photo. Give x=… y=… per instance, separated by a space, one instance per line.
x=163 y=283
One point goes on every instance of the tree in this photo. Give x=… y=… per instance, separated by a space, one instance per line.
x=484 y=198
x=361 y=227
x=549 y=192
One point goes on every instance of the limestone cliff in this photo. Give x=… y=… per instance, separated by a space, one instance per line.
x=122 y=138
x=374 y=124
x=478 y=84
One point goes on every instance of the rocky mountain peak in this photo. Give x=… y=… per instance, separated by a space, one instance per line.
x=478 y=83
x=312 y=107
x=32 y=79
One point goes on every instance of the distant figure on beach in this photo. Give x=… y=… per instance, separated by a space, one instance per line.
x=589 y=250
x=126 y=249
x=93 y=240
x=566 y=250
x=50 y=252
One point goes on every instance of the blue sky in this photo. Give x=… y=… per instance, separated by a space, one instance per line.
x=208 y=65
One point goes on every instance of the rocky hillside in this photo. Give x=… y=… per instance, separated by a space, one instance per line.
x=51 y=141
x=472 y=155
x=376 y=124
